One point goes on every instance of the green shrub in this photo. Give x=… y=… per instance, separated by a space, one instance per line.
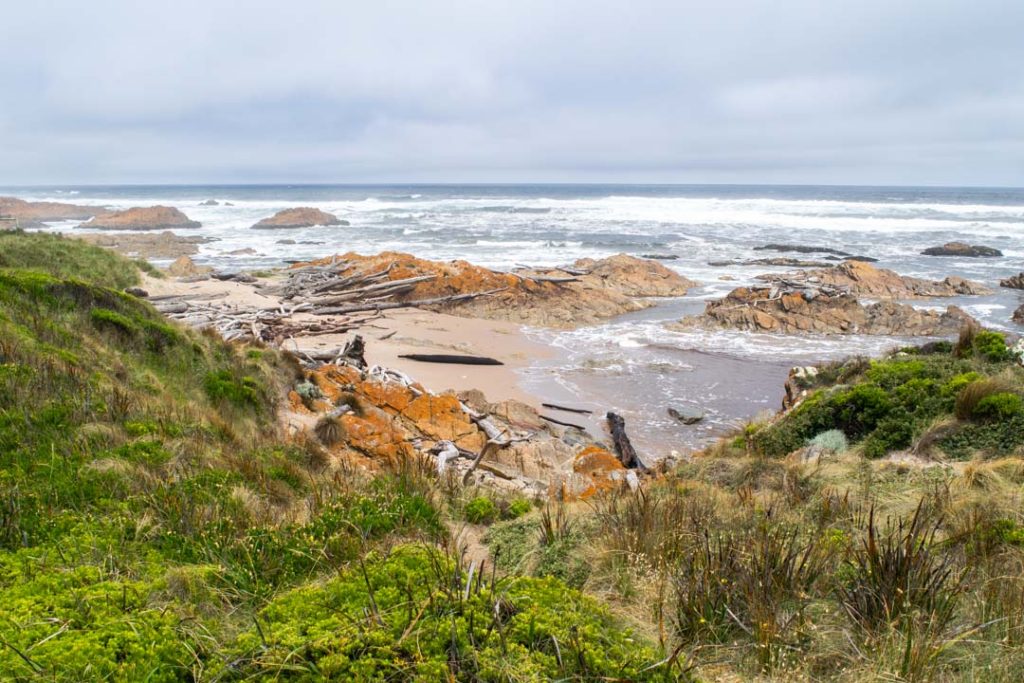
x=480 y=510
x=991 y=346
x=1001 y=406
x=517 y=508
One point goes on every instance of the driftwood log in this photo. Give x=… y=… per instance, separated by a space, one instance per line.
x=559 y=422
x=450 y=358
x=623 y=447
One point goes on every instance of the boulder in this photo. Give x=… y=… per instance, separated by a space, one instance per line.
x=143 y=218
x=301 y=217
x=962 y=249
x=767 y=309
x=183 y=266
x=35 y=214
x=862 y=279
x=1014 y=282
x=686 y=415
x=137 y=292
x=1018 y=316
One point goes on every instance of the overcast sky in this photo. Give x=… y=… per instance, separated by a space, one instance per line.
x=780 y=91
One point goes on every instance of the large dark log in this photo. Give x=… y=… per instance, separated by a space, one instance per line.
x=623 y=447
x=448 y=358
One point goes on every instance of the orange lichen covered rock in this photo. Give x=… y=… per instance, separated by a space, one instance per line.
x=442 y=418
x=377 y=434
x=594 y=460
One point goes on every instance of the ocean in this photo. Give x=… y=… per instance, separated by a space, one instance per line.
x=633 y=364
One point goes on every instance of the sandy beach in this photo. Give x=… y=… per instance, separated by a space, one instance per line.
x=406 y=331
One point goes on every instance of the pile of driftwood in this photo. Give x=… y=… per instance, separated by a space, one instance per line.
x=326 y=290
x=237 y=323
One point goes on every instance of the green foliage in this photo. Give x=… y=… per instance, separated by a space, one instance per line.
x=225 y=386
x=415 y=615
x=889 y=403
x=517 y=508
x=991 y=346
x=1002 y=406
x=480 y=510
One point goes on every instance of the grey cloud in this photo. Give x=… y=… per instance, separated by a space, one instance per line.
x=920 y=91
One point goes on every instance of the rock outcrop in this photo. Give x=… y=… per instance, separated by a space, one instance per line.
x=767 y=309
x=143 y=218
x=1014 y=282
x=160 y=245
x=962 y=249
x=863 y=279
x=585 y=293
x=34 y=214
x=1018 y=316
x=301 y=217
x=384 y=418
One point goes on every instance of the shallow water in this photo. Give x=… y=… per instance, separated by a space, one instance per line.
x=633 y=364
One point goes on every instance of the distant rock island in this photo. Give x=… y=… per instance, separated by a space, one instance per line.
x=300 y=217
x=143 y=218
x=34 y=214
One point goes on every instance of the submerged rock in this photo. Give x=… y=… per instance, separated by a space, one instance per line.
x=1014 y=282
x=300 y=217
x=801 y=249
x=863 y=279
x=686 y=415
x=766 y=309
x=777 y=261
x=210 y=202
x=962 y=249
x=143 y=218
x=34 y=214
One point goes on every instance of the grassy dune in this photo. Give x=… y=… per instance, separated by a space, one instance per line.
x=157 y=524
